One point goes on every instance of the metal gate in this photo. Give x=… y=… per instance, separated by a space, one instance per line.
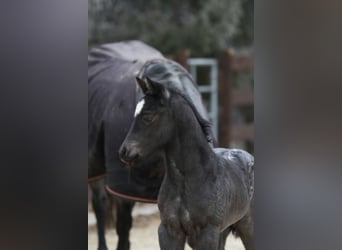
x=210 y=88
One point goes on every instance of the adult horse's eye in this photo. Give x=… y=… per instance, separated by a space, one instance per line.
x=149 y=118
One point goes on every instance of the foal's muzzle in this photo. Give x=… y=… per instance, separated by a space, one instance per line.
x=129 y=152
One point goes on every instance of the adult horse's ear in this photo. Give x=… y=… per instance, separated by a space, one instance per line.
x=142 y=85
x=155 y=88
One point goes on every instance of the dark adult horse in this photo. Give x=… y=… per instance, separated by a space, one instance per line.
x=205 y=190
x=112 y=69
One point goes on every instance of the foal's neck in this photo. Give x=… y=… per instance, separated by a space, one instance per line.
x=188 y=154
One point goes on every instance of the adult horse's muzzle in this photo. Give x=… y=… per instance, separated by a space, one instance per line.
x=129 y=152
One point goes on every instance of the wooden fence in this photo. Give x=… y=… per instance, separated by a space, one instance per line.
x=230 y=98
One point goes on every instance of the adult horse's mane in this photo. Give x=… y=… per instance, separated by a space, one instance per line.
x=177 y=79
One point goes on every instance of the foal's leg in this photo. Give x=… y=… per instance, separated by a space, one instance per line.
x=245 y=229
x=223 y=238
x=208 y=239
x=123 y=222
x=170 y=239
x=99 y=202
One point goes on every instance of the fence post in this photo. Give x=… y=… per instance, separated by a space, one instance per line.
x=182 y=58
x=225 y=98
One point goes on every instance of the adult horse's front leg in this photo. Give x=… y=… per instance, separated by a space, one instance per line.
x=170 y=239
x=123 y=222
x=99 y=202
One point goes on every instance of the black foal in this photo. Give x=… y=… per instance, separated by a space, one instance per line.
x=204 y=190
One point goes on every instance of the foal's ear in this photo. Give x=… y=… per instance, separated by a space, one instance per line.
x=155 y=88
x=142 y=85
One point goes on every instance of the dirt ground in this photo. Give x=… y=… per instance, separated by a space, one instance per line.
x=144 y=231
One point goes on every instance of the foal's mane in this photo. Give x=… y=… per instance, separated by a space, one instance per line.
x=204 y=124
x=163 y=70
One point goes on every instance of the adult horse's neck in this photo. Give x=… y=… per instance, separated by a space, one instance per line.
x=188 y=154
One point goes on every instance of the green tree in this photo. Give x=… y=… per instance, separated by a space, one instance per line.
x=244 y=35
x=204 y=26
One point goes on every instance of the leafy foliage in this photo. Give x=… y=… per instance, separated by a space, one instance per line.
x=203 y=26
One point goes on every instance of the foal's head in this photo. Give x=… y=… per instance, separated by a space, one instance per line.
x=152 y=127
x=156 y=118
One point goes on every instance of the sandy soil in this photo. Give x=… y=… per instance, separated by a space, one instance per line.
x=144 y=232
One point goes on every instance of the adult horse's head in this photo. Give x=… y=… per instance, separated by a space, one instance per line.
x=151 y=127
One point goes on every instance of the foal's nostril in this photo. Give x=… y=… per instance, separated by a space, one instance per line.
x=122 y=151
x=128 y=153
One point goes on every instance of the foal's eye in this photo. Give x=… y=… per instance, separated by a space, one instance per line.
x=148 y=118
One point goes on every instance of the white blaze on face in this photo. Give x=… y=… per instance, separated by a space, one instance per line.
x=139 y=107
